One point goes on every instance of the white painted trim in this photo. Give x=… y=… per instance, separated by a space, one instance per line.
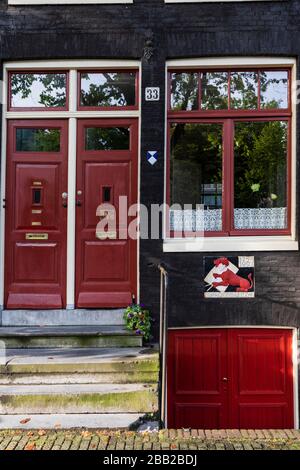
x=294 y=354
x=70 y=114
x=223 y=244
x=255 y=243
x=139 y=156
x=72 y=159
x=66 y=2
x=71 y=64
x=230 y=61
x=3 y=188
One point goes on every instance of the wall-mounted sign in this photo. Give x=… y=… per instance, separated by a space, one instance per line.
x=152 y=93
x=152 y=156
x=229 y=277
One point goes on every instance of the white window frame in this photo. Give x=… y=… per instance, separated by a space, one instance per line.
x=72 y=115
x=239 y=243
x=65 y=2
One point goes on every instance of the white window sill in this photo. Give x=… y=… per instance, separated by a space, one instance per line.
x=214 y=244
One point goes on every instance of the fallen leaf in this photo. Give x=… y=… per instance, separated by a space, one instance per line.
x=30 y=446
x=30 y=433
x=41 y=432
x=85 y=433
x=25 y=421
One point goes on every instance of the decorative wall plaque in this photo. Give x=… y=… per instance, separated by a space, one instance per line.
x=229 y=277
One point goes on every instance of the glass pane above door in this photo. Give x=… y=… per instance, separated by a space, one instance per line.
x=107 y=138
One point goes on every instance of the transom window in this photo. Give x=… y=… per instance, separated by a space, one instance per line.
x=98 y=90
x=229 y=152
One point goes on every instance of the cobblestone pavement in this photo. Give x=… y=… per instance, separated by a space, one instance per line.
x=163 y=440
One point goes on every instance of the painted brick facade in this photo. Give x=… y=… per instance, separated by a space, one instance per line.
x=178 y=31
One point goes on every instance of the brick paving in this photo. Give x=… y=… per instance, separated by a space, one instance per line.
x=162 y=440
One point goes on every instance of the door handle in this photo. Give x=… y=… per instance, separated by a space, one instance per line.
x=78 y=203
x=64 y=197
x=225 y=379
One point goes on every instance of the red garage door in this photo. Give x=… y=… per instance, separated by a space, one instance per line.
x=230 y=378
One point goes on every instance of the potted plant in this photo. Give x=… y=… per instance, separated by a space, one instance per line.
x=137 y=318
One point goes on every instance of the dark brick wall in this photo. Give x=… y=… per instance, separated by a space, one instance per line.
x=191 y=30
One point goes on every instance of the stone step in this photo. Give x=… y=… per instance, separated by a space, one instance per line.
x=74 y=317
x=78 y=398
x=68 y=337
x=80 y=366
x=69 y=421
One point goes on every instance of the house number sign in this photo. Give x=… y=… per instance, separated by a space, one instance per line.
x=152 y=94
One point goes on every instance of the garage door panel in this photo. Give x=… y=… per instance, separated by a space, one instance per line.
x=261 y=364
x=262 y=416
x=198 y=364
x=189 y=416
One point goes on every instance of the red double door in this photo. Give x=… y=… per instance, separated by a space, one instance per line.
x=37 y=212
x=230 y=379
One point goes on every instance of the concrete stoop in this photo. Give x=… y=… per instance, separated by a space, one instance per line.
x=117 y=385
x=80 y=336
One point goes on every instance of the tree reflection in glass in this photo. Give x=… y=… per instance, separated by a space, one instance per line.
x=38 y=90
x=103 y=89
x=214 y=90
x=244 y=90
x=184 y=91
x=37 y=140
x=107 y=138
x=260 y=174
x=274 y=89
x=196 y=169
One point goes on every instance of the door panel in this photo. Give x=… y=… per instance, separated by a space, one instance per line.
x=230 y=378
x=106 y=269
x=262 y=377
x=36 y=214
x=196 y=366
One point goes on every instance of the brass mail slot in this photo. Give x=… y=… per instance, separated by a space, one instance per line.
x=37 y=236
x=106 y=235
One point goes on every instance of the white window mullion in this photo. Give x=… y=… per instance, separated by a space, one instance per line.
x=72 y=150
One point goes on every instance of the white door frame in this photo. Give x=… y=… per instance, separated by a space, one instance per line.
x=72 y=115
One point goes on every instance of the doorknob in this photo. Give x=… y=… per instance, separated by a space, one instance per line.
x=65 y=199
x=225 y=379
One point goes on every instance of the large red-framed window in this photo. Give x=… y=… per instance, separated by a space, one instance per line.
x=229 y=147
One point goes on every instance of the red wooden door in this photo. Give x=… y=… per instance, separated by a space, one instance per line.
x=196 y=366
x=106 y=268
x=230 y=378
x=36 y=214
x=261 y=373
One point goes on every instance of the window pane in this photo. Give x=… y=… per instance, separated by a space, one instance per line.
x=244 y=90
x=260 y=175
x=107 y=138
x=196 y=177
x=274 y=89
x=214 y=86
x=184 y=91
x=108 y=89
x=37 y=140
x=38 y=90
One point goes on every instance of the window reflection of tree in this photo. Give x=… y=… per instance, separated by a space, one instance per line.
x=53 y=88
x=117 y=89
x=196 y=164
